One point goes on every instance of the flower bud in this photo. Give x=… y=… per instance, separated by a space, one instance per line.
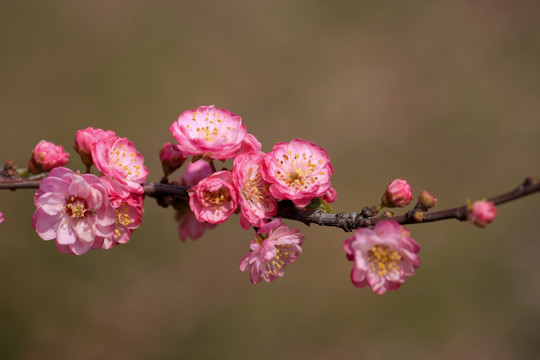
x=171 y=158
x=418 y=216
x=482 y=212
x=1 y=217
x=398 y=194
x=426 y=200
x=46 y=156
x=85 y=140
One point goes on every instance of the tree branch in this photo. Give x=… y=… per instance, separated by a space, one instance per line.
x=174 y=195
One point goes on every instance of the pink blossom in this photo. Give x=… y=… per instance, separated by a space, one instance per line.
x=256 y=203
x=74 y=209
x=275 y=246
x=214 y=199
x=383 y=257
x=482 y=212
x=398 y=194
x=47 y=156
x=1 y=217
x=215 y=133
x=250 y=143
x=121 y=163
x=85 y=140
x=128 y=218
x=190 y=227
x=298 y=171
x=171 y=158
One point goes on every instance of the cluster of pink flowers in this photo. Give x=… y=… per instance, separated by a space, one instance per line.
x=85 y=211
x=299 y=171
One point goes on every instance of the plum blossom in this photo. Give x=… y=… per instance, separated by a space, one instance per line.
x=128 y=218
x=47 y=156
x=482 y=212
x=121 y=164
x=275 y=246
x=1 y=217
x=256 y=203
x=214 y=133
x=188 y=225
x=397 y=194
x=383 y=257
x=85 y=140
x=298 y=171
x=171 y=158
x=214 y=199
x=74 y=209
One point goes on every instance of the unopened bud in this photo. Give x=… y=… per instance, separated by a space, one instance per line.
x=46 y=156
x=171 y=158
x=418 y=216
x=398 y=194
x=482 y=212
x=426 y=200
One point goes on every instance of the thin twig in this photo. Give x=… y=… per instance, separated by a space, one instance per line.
x=173 y=195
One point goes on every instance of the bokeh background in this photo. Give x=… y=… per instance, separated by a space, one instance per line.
x=443 y=93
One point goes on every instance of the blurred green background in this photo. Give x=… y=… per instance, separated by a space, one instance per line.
x=443 y=93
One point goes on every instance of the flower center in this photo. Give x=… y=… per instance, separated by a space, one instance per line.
x=297 y=171
x=217 y=198
x=76 y=207
x=255 y=190
x=383 y=260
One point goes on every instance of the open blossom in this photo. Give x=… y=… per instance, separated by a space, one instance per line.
x=85 y=140
x=121 y=164
x=216 y=133
x=188 y=225
x=275 y=246
x=128 y=218
x=383 y=257
x=397 y=194
x=171 y=158
x=298 y=171
x=47 y=156
x=74 y=209
x=256 y=203
x=482 y=212
x=214 y=199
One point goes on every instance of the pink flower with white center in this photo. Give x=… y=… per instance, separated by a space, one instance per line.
x=298 y=171
x=250 y=143
x=256 y=203
x=274 y=247
x=188 y=225
x=383 y=257
x=482 y=212
x=211 y=132
x=398 y=194
x=85 y=140
x=214 y=199
x=171 y=158
x=128 y=218
x=118 y=159
x=1 y=217
x=47 y=156
x=74 y=209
